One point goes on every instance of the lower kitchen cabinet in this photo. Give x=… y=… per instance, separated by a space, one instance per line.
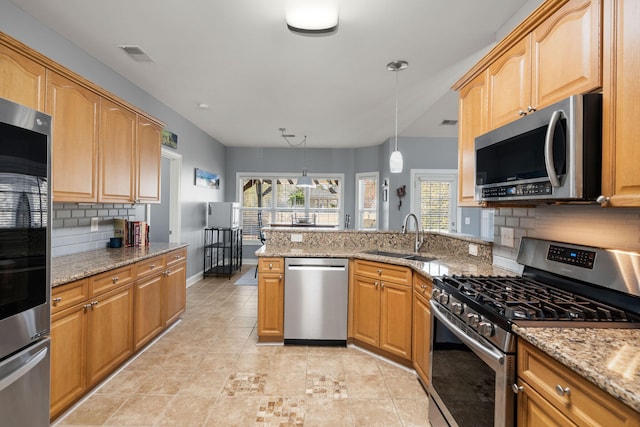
x=382 y=307
x=421 y=344
x=148 y=317
x=175 y=291
x=551 y=394
x=270 y=299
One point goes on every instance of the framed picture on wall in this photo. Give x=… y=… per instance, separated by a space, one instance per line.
x=207 y=179
x=169 y=139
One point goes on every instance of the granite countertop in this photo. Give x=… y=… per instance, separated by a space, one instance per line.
x=609 y=358
x=443 y=263
x=65 y=269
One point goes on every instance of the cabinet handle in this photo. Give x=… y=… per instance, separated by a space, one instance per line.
x=168 y=272
x=86 y=307
x=562 y=391
x=375 y=284
x=530 y=109
x=114 y=279
x=280 y=277
x=423 y=287
x=270 y=266
x=381 y=285
x=522 y=113
x=152 y=266
x=516 y=388
x=379 y=272
x=57 y=300
x=177 y=256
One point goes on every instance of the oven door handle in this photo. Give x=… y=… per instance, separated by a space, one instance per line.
x=490 y=356
x=548 y=148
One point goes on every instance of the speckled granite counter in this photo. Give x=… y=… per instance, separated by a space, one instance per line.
x=68 y=268
x=609 y=358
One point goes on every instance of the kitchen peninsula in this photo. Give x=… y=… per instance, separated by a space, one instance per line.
x=381 y=258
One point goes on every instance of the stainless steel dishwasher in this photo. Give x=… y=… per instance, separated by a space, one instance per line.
x=315 y=301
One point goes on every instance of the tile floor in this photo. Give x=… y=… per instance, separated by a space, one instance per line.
x=208 y=371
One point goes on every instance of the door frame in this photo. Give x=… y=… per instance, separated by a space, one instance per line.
x=175 y=213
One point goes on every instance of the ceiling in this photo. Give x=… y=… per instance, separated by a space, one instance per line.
x=239 y=58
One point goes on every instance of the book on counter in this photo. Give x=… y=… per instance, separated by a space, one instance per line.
x=133 y=233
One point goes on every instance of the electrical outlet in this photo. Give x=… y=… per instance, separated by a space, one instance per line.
x=94 y=224
x=473 y=249
x=506 y=236
x=297 y=238
x=467 y=220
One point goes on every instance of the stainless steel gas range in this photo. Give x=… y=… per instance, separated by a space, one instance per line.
x=473 y=347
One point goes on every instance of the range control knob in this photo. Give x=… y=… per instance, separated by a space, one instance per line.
x=473 y=319
x=486 y=329
x=443 y=298
x=457 y=308
x=435 y=294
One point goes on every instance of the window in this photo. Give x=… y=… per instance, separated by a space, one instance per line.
x=435 y=199
x=281 y=202
x=367 y=201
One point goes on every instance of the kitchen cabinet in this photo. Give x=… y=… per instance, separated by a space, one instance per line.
x=148 y=154
x=116 y=152
x=148 y=310
x=560 y=57
x=620 y=172
x=473 y=122
x=75 y=111
x=23 y=80
x=421 y=343
x=382 y=307
x=270 y=299
x=175 y=290
x=551 y=394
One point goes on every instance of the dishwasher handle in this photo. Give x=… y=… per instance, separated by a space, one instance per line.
x=302 y=267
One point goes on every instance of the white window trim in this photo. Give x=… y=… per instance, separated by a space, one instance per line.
x=445 y=174
x=241 y=175
x=359 y=176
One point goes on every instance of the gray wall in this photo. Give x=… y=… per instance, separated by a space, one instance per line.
x=197 y=148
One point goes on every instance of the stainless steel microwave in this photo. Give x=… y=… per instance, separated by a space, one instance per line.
x=551 y=155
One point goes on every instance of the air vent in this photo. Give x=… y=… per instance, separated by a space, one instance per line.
x=449 y=122
x=136 y=53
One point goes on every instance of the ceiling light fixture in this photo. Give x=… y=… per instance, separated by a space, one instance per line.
x=303 y=180
x=312 y=17
x=395 y=161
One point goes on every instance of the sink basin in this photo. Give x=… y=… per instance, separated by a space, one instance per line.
x=401 y=256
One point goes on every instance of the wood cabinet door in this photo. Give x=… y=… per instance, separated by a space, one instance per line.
x=621 y=109
x=23 y=80
x=534 y=411
x=566 y=53
x=148 y=310
x=421 y=344
x=176 y=292
x=509 y=85
x=68 y=367
x=366 y=310
x=473 y=122
x=110 y=332
x=117 y=153
x=75 y=112
x=148 y=148
x=270 y=306
x=395 y=319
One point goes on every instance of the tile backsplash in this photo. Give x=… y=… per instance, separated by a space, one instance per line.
x=71 y=225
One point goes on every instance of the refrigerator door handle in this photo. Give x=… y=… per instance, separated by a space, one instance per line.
x=9 y=379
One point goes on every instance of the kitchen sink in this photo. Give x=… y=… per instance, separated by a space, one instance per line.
x=399 y=255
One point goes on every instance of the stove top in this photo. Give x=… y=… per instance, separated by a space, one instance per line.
x=523 y=300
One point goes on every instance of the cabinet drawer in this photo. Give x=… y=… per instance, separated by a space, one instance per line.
x=583 y=402
x=176 y=256
x=111 y=279
x=382 y=271
x=150 y=266
x=422 y=285
x=69 y=294
x=271 y=265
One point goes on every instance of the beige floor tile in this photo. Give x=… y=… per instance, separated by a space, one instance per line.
x=204 y=383
x=281 y=411
x=285 y=364
x=168 y=383
x=404 y=386
x=374 y=412
x=254 y=362
x=139 y=410
x=366 y=386
x=324 y=365
x=234 y=412
x=327 y=412
x=245 y=384
x=96 y=410
x=285 y=385
x=413 y=412
x=126 y=382
x=360 y=363
x=186 y=411
x=324 y=386
x=220 y=362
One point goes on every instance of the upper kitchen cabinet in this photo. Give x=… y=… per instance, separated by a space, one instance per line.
x=621 y=127
x=117 y=152
x=148 y=153
x=23 y=80
x=561 y=56
x=473 y=122
x=75 y=112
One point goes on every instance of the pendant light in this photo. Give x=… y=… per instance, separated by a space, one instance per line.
x=303 y=181
x=395 y=161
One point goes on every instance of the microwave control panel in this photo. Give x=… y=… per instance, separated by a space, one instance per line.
x=518 y=190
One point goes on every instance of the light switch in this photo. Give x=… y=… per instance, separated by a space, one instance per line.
x=296 y=237
x=473 y=249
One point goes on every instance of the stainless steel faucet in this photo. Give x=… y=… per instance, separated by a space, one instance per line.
x=419 y=239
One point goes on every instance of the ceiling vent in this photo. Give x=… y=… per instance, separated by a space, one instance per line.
x=136 y=53
x=449 y=122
